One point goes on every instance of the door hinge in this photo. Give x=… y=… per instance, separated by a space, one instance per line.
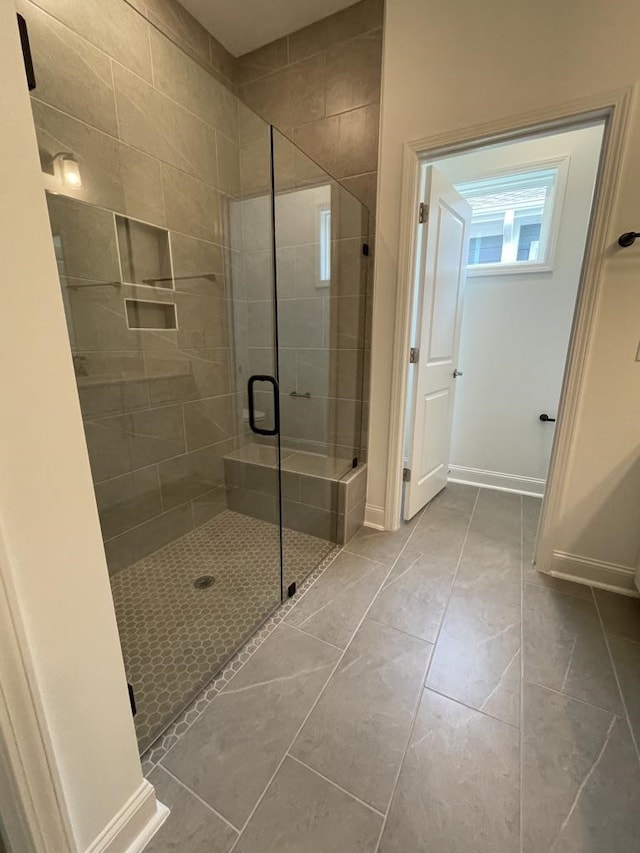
x=423 y=213
x=365 y=249
x=406 y=475
x=414 y=355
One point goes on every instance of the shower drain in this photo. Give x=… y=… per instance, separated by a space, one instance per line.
x=204 y=582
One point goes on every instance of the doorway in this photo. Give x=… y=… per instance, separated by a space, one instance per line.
x=493 y=309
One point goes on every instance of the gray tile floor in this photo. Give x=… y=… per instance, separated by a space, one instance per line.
x=429 y=693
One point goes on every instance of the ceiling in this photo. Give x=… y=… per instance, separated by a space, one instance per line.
x=244 y=25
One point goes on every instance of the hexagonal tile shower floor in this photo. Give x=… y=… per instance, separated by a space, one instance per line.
x=175 y=635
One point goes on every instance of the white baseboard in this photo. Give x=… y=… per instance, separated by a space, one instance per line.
x=610 y=576
x=134 y=825
x=496 y=480
x=374 y=517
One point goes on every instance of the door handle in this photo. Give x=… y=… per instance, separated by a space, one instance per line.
x=457 y=373
x=544 y=417
x=259 y=377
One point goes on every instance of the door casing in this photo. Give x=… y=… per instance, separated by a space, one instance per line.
x=613 y=108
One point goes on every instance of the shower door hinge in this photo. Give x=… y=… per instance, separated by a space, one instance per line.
x=406 y=475
x=26 y=53
x=414 y=355
x=423 y=213
x=365 y=249
x=132 y=700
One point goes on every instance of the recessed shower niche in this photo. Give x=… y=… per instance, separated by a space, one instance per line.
x=145 y=256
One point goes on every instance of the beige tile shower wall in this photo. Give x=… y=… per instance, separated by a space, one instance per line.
x=156 y=136
x=321 y=87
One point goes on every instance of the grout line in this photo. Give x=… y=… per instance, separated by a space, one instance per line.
x=576 y=699
x=615 y=674
x=175 y=778
x=321 y=693
x=426 y=669
x=307 y=634
x=521 y=734
x=334 y=784
x=471 y=708
x=453 y=582
x=414 y=717
x=400 y=630
x=561 y=591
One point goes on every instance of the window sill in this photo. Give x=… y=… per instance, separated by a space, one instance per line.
x=522 y=268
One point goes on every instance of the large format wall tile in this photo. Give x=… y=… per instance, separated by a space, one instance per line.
x=458 y=790
x=209 y=421
x=193 y=207
x=171 y=15
x=111 y=25
x=186 y=374
x=344 y=144
x=70 y=73
x=188 y=476
x=191 y=825
x=127 y=501
x=123 y=443
x=353 y=72
x=198 y=266
x=358 y=18
x=581 y=777
x=114 y=175
x=87 y=241
x=202 y=321
x=183 y=80
x=564 y=648
x=128 y=548
x=357 y=733
x=97 y=323
x=291 y=96
x=302 y=813
x=152 y=122
x=231 y=751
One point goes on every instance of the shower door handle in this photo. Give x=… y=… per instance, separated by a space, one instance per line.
x=259 y=377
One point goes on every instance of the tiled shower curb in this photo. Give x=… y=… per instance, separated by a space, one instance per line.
x=157 y=751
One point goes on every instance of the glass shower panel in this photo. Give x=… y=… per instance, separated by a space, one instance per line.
x=320 y=241
x=155 y=250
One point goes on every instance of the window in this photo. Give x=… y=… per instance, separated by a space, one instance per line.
x=325 y=246
x=511 y=226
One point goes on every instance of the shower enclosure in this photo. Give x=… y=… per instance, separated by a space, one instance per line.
x=213 y=279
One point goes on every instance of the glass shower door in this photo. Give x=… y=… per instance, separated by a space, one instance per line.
x=185 y=468
x=320 y=250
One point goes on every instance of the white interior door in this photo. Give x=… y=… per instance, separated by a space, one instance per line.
x=443 y=247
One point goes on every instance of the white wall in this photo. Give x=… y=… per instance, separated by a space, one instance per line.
x=450 y=64
x=515 y=328
x=51 y=555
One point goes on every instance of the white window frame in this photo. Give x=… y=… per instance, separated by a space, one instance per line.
x=551 y=220
x=325 y=245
